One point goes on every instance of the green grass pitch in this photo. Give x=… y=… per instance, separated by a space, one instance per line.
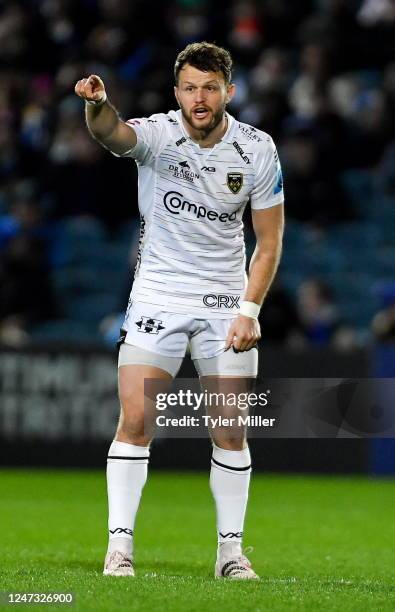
x=320 y=543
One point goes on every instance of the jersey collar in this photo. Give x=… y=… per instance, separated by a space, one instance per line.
x=227 y=137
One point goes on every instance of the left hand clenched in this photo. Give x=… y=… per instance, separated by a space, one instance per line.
x=243 y=334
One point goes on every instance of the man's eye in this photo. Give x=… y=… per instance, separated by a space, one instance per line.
x=189 y=88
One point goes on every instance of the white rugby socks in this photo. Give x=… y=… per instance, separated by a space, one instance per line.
x=127 y=467
x=229 y=482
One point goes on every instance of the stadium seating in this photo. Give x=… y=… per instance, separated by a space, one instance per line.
x=90 y=275
x=350 y=257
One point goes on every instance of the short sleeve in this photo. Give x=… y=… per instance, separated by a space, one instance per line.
x=150 y=135
x=268 y=186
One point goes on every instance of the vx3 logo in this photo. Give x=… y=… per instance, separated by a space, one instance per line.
x=174 y=202
x=227 y=301
x=231 y=534
x=208 y=169
x=121 y=530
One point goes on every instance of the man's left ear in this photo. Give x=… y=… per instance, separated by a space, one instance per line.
x=175 y=95
x=231 y=93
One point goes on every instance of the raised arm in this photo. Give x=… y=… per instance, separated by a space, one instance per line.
x=102 y=119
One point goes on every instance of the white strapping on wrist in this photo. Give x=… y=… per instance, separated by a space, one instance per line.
x=250 y=309
x=97 y=102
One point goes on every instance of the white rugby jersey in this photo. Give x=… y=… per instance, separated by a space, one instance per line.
x=191 y=254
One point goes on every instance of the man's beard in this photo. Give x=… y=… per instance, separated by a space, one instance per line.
x=205 y=131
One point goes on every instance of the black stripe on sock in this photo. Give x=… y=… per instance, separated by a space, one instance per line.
x=128 y=458
x=230 y=467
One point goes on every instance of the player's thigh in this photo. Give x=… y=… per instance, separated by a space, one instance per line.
x=133 y=381
x=136 y=368
x=136 y=395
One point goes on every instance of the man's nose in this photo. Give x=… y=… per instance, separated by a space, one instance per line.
x=200 y=94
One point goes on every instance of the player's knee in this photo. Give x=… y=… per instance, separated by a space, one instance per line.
x=132 y=424
x=129 y=397
x=230 y=442
x=121 y=436
x=133 y=432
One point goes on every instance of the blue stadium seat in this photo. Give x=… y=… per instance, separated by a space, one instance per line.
x=360 y=189
x=358 y=313
x=63 y=330
x=128 y=232
x=91 y=309
x=351 y=236
x=77 y=235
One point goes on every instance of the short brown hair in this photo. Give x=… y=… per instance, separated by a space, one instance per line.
x=205 y=57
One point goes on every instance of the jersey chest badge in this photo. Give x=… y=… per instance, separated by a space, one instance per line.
x=234 y=180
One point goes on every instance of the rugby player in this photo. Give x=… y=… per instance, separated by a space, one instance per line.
x=198 y=168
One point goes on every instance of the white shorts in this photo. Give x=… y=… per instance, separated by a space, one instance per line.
x=171 y=334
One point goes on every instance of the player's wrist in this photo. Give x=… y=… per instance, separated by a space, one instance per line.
x=100 y=102
x=250 y=309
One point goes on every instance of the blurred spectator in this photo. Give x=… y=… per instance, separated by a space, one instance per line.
x=25 y=289
x=279 y=318
x=246 y=29
x=314 y=193
x=271 y=72
x=317 y=311
x=383 y=324
x=189 y=21
x=306 y=92
x=376 y=11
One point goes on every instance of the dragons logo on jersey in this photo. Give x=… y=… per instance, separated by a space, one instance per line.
x=234 y=180
x=182 y=171
x=147 y=325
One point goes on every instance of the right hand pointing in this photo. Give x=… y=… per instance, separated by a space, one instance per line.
x=91 y=89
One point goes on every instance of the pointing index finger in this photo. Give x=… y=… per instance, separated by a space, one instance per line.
x=94 y=80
